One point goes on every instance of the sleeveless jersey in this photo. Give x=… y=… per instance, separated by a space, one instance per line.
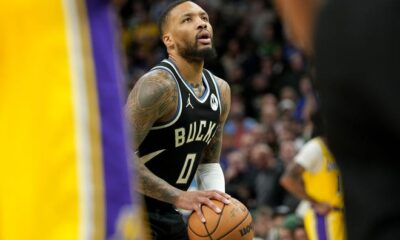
x=173 y=150
x=325 y=184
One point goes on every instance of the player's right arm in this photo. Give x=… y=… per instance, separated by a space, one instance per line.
x=293 y=182
x=292 y=179
x=154 y=98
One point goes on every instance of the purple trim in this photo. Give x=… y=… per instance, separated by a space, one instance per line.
x=109 y=85
x=321 y=227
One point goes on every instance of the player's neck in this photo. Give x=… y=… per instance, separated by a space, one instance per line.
x=190 y=70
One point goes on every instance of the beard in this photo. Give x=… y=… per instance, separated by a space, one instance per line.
x=192 y=52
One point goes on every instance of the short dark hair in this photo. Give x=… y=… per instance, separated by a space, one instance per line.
x=164 y=15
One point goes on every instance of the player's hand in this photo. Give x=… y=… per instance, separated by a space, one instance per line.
x=192 y=200
x=322 y=208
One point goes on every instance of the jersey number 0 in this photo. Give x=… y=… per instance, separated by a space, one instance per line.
x=186 y=169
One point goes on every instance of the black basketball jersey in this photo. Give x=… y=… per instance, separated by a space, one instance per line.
x=173 y=150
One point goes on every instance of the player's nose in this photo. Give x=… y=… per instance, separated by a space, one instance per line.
x=201 y=24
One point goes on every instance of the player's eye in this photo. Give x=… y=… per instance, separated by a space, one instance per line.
x=186 y=20
x=205 y=18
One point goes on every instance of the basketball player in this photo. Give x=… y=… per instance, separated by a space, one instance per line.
x=178 y=110
x=313 y=176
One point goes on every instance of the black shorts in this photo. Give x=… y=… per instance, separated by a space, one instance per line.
x=167 y=225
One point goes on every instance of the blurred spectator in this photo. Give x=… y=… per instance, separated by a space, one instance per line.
x=279 y=214
x=259 y=132
x=292 y=222
x=263 y=223
x=286 y=109
x=288 y=93
x=268 y=43
x=292 y=228
x=285 y=234
x=238 y=123
x=237 y=178
x=267 y=174
x=247 y=142
x=232 y=58
x=269 y=115
x=307 y=103
x=269 y=99
x=300 y=234
x=287 y=151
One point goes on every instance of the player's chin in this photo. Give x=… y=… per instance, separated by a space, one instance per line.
x=206 y=52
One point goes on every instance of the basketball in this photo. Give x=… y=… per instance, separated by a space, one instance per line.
x=234 y=222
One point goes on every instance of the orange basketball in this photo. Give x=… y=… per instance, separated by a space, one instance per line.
x=234 y=222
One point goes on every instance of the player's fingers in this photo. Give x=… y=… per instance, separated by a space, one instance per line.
x=225 y=195
x=211 y=205
x=200 y=213
x=220 y=196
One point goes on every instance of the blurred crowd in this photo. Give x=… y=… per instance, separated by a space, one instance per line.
x=272 y=100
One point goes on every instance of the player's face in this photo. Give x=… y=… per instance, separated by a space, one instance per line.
x=191 y=31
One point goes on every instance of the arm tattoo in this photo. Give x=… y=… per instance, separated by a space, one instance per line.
x=153 y=98
x=213 y=149
x=153 y=186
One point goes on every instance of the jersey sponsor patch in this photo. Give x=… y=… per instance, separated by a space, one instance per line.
x=214 y=102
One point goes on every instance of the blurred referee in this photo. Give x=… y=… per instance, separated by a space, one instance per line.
x=356 y=49
x=357 y=58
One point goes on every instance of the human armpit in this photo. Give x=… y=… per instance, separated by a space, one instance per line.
x=153 y=98
x=213 y=150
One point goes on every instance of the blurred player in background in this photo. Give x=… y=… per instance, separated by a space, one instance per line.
x=313 y=176
x=357 y=60
x=178 y=110
x=63 y=145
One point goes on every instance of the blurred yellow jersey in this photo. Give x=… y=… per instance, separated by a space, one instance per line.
x=64 y=160
x=321 y=176
x=322 y=182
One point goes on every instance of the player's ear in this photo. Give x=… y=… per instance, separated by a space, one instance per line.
x=168 y=40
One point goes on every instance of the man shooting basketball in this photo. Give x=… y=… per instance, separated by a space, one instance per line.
x=178 y=110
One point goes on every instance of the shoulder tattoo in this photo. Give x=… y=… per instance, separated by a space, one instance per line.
x=153 y=98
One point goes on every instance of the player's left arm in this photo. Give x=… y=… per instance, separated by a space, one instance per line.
x=209 y=173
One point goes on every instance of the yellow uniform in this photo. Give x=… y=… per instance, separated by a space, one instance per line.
x=64 y=170
x=322 y=183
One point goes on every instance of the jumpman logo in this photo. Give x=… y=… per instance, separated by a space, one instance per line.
x=189 y=103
